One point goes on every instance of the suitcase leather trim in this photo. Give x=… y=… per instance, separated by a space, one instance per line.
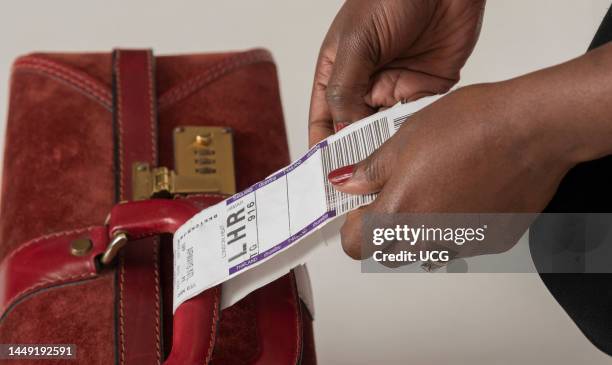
x=45 y=262
x=135 y=141
x=50 y=255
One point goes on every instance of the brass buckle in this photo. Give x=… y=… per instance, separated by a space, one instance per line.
x=203 y=163
x=116 y=244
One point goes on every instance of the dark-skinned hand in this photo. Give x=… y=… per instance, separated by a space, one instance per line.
x=377 y=53
x=491 y=148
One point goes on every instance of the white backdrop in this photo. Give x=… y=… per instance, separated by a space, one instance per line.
x=361 y=319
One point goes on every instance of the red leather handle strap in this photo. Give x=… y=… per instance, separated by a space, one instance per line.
x=162 y=216
x=139 y=327
x=191 y=319
x=47 y=261
x=195 y=321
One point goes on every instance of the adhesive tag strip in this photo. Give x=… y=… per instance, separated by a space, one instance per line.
x=254 y=225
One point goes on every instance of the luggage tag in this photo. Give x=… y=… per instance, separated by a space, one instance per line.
x=253 y=226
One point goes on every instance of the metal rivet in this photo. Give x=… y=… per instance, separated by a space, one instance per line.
x=81 y=246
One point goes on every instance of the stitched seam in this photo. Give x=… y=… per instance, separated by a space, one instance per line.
x=79 y=75
x=81 y=85
x=45 y=237
x=181 y=91
x=43 y=284
x=83 y=82
x=146 y=234
x=213 y=327
x=297 y=318
x=82 y=88
x=205 y=195
x=119 y=123
x=155 y=239
x=121 y=310
x=156 y=276
x=119 y=104
x=214 y=72
x=152 y=108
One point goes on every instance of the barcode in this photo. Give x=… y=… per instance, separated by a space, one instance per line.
x=397 y=122
x=349 y=150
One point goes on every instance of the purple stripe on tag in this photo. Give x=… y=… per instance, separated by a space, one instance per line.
x=317 y=222
x=276 y=176
x=312 y=151
x=239 y=195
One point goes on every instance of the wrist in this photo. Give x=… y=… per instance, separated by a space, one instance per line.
x=565 y=111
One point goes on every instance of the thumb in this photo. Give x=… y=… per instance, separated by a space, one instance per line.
x=349 y=81
x=368 y=176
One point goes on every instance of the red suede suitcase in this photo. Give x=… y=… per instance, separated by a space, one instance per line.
x=106 y=155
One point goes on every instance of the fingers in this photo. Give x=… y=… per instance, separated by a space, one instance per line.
x=319 y=120
x=352 y=235
x=342 y=80
x=356 y=231
x=349 y=81
x=369 y=175
x=392 y=86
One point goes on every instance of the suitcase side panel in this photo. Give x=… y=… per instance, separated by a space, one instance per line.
x=58 y=168
x=58 y=175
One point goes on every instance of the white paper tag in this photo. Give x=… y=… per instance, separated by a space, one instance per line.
x=272 y=215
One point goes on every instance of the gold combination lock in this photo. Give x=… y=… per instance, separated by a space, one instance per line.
x=203 y=163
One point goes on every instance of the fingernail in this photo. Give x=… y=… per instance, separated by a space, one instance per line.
x=341 y=175
x=339 y=126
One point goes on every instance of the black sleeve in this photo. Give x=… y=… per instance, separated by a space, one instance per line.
x=587 y=188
